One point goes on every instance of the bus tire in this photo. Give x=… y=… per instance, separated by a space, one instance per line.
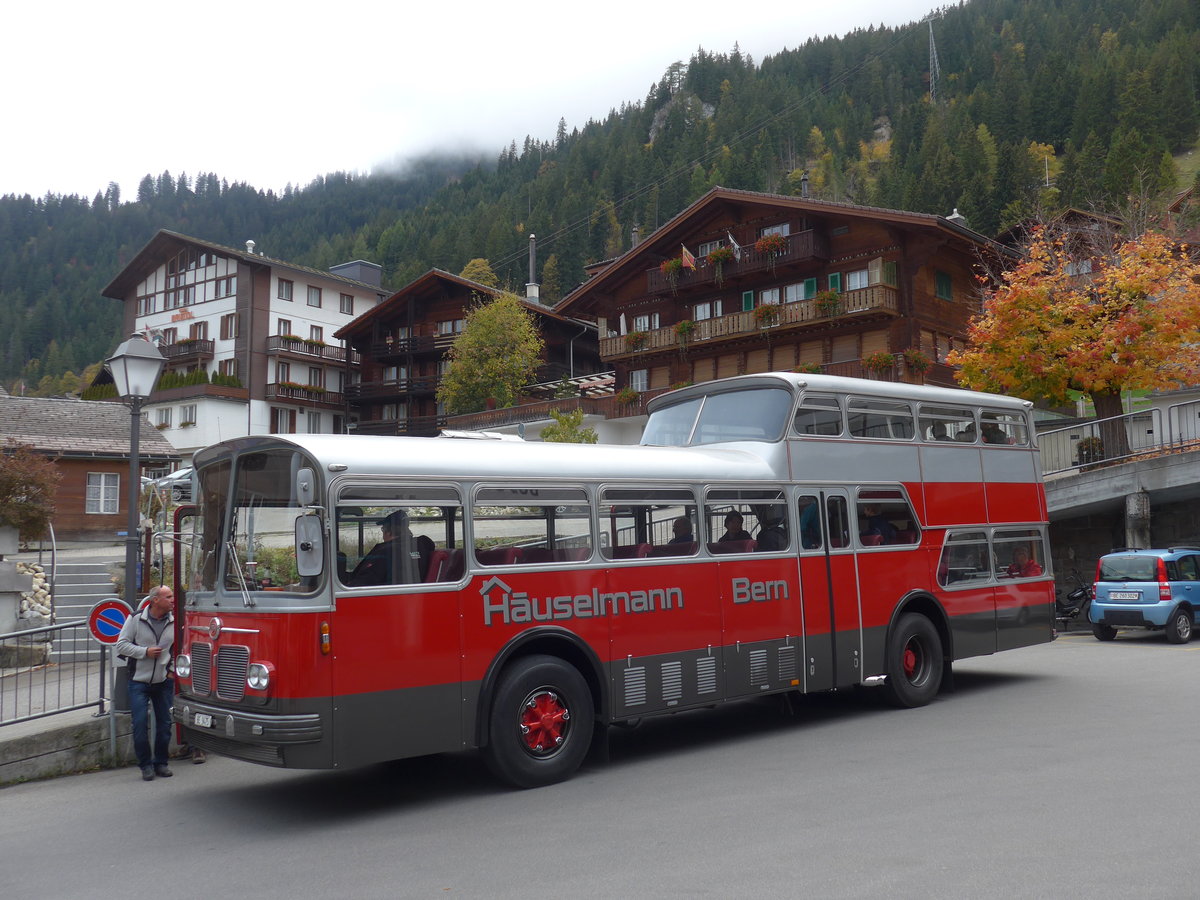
x=914 y=662
x=540 y=724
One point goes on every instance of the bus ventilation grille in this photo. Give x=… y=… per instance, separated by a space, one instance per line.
x=787 y=664
x=758 y=668
x=635 y=686
x=706 y=675
x=672 y=681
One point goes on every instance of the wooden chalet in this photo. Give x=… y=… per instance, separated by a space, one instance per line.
x=403 y=344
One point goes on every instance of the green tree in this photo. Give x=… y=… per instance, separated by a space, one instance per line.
x=567 y=428
x=495 y=356
x=480 y=271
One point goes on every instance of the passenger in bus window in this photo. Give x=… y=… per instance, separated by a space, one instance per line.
x=682 y=528
x=733 y=528
x=387 y=562
x=994 y=434
x=877 y=523
x=1022 y=566
x=773 y=535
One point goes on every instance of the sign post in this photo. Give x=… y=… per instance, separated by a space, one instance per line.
x=105 y=622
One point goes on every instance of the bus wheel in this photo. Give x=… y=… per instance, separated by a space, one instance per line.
x=914 y=662
x=540 y=723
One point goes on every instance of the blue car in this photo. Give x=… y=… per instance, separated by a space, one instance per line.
x=1157 y=589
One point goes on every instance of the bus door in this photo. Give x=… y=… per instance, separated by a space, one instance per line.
x=829 y=587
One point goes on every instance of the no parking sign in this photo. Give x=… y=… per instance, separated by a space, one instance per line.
x=106 y=618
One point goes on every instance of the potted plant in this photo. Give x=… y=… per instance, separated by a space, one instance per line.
x=627 y=396
x=766 y=315
x=772 y=244
x=879 y=362
x=917 y=361
x=717 y=259
x=683 y=330
x=671 y=269
x=808 y=369
x=829 y=303
x=636 y=340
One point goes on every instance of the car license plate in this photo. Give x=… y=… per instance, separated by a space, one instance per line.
x=202 y=720
x=1125 y=595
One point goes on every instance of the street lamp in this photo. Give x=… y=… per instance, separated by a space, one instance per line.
x=135 y=368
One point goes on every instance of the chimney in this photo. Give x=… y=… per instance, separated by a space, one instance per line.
x=531 y=289
x=957 y=218
x=637 y=236
x=804 y=184
x=250 y=247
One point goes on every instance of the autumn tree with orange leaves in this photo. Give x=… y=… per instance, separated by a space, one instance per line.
x=1131 y=323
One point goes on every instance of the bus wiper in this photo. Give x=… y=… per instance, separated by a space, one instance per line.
x=231 y=548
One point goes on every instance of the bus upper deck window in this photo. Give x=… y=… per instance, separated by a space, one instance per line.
x=818 y=415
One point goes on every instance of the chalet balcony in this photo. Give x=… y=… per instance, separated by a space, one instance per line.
x=199 y=391
x=289 y=346
x=417 y=345
x=788 y=317
x=303 y=393
x=412 y=426
x=375 y=390
x=804 y=246
x=189 y=351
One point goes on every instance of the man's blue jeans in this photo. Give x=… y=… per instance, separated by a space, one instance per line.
x=141 y=696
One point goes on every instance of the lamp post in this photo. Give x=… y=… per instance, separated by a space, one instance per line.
x=135 y=368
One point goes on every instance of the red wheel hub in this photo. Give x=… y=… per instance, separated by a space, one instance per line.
x=911 y=661
x=544 y=722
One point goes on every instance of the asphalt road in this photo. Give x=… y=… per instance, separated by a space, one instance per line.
x=1054 y=771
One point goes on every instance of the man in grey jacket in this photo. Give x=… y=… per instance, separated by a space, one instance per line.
x=146 y=640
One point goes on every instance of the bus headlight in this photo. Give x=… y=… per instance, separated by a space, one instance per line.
x=258 y=676
x=183 y=666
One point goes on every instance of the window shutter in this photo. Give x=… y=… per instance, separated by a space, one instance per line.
x=810 y=288
x=747 y=300
x=875 y=271
x=835 y=281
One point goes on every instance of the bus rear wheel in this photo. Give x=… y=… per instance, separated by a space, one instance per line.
x=540 y=724
x=914 y=662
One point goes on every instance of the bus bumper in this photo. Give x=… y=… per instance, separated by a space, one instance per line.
x=255 y=737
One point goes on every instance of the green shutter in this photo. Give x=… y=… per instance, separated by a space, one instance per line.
x=810 y=288
x=747 y=300
x=835 y=281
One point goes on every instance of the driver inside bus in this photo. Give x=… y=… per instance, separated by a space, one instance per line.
x=395 y=560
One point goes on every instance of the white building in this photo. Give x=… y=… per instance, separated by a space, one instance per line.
x=248 y=339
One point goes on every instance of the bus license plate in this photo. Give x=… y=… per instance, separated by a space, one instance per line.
x=1125 y=595
x=202 y=720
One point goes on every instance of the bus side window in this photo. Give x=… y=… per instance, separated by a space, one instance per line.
x=648 y=521
x=838 y=521
x=885 y=517
x=392 y=535
x=534 y=525
x=810 y=521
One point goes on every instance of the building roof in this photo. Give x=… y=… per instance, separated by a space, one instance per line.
x=427 y=287
x=79 y=428
x=717 y=203
x=165 y=243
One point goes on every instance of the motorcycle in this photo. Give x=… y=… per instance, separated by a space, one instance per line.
x=1075 y=604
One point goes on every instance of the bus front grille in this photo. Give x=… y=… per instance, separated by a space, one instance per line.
x=232 y=663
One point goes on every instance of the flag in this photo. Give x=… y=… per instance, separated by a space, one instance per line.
x=689 y=261
x=737 y=250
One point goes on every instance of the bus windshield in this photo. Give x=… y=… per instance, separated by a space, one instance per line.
x=758 y=414
x=247 y=528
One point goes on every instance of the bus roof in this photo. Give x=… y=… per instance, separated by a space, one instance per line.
x=841 y=385
x=455 y=458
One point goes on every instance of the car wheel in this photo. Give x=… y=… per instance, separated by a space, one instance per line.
x=1103 y=632
x=540 y=723
x=914 y=662
x=1179 y=626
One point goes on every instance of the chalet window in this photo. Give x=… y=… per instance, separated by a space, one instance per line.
x=347 y=304
x=390 y=373
x=316 y=376
x=187 y=414
x=314 y=423
x=646 y=322
x=943 y=286
x=163 y=417
x=639 y=379
x=103 y=491
x=314 y=299
x=227 y=367
x=768 y=297
x=225 y=287
x=805 y=290
x=450 y=326
x=170 y=336
x=706 y=248
x=283 y=421
x=229 y=329
x=857 y=280
x=198 y=331
x=283 y=372
x=710 y=309
x=285 y=289
x=316 y=333
x=782 y=228
x=285 y=326
x=834 y=282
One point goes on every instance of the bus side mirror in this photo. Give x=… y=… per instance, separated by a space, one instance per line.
x=306 y=487
x=310 y=549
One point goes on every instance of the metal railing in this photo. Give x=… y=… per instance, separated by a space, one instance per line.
x=33 y=684
x=1095 y=442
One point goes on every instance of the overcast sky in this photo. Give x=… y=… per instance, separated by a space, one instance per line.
x=272 y=93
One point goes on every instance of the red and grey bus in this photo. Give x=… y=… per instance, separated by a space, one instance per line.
x=354 y=599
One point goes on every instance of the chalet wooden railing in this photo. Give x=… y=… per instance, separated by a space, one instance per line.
x=313 y=349
x=802 y=246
